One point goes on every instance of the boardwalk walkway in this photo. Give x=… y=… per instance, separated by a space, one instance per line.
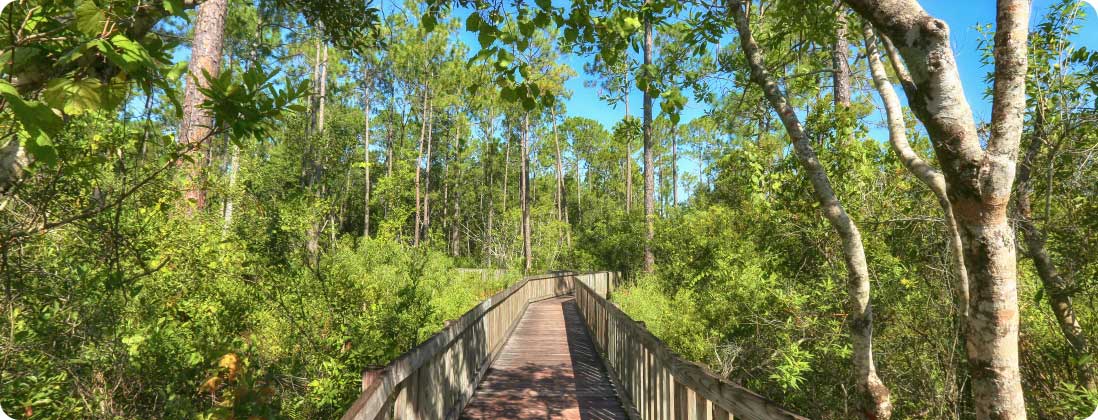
x=549 y=369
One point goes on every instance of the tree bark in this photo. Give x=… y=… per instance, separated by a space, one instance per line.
x=649 y=171
x=419 y=165
x=366 y=99
x=426 y=225
x=978 y=181
x=209 y=37
x=1059 y=289
x=560 y=170
x=527 y=253
x=875 y=400
x=674 y=171
x=322 y=98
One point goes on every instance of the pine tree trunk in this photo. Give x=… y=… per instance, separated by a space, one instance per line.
x=674 y=171
x=455 y=201
x=649 y=170
x=874 y=398
x=195 y=128
x=366 y=159
x=419 y=165
x=426 y=225
x=560 y=171
x=525 y=196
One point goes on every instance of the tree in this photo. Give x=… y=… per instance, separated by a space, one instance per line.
x=649 y=171
x=978 y=180
x=875 y=396
x=209 y=35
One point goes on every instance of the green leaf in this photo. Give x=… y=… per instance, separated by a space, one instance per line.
x=88 y=18
x=486 y=36
x=174 y=7
x=473 y=22
x=74 y=97
x=429 y=21
x=37 y=118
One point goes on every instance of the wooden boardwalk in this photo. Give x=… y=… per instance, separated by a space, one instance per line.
x=549 y=369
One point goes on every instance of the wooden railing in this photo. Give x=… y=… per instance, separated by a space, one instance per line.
x=436 y=379
x=652 y=380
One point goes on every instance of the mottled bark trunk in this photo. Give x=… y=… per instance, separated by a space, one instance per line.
x=1058 y=289
x=978 y=181
x=209 y=36
x=874 y=397
x=527 y=252
x=649 y=170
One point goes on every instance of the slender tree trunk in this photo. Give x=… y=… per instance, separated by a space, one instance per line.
x=1059 y=289
x=979 y=179
x=322 y=98
x=506 y=165
x=525 y=196
x=209 y=36
x=927 y=174
x=234 y=163
x=649 y=170
x=874 y=397
x=560 y=171
x=455 y=201
x=419 y=165
x=674 y=171
x=426 y=225
x=366 y=159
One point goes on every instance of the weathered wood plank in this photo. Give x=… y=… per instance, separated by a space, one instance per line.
x=548 y=369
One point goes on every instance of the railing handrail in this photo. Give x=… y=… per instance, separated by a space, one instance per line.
x=376 y=397
x=728 y=395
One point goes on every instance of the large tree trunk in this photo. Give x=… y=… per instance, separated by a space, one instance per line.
x=1058 y=288
x=978 y=181
x=527 y=253
x=874 y=397
x=649 y=171
x=194 y=130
